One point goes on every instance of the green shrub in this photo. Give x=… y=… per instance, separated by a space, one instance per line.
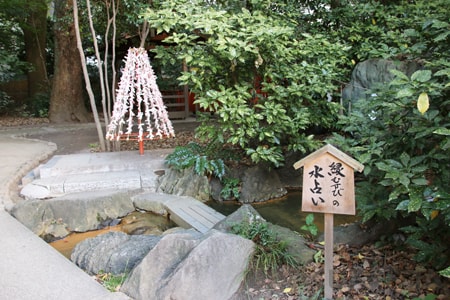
x=260 y=80
x=6 y=103
x=310 y=226
x=231 y=188
x=402 y=139
x=202 y=158
x=270 y=252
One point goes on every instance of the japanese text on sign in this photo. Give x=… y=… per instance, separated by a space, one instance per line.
x=328 y=186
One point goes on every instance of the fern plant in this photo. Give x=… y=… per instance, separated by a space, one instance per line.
x=201 y=158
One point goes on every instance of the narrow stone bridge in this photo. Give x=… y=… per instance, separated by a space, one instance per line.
x=189 y=212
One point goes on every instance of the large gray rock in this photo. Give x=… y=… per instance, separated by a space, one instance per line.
x=113 y=252
x=245 y=214
x=367 y=74
x=186 y=266
x=153 y=202
x=260 y=183
x=185 y=183
x=78 y=212
x=296 y=244
x=358 y=235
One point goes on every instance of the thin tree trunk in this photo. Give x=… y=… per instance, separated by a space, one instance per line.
x=99 y=68
x=101 y=137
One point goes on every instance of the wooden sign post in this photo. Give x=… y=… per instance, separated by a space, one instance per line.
x=328 y=187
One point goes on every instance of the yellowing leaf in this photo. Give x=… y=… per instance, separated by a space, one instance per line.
x=374 y=22
x=287 y=290
x=353 y=62
x=434 y=214
x=423 y=103
x=322 y=243
x=360 y=256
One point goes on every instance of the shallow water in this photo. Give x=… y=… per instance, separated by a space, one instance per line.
x=134 y=223
x=285 y=212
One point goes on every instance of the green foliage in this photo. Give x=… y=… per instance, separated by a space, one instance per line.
x=39 y=105
x=310 y=226
x=110 y=281
x=270 y=253
x=261 y=81
x=203 y=158
x=319 y=257
x=231 y=188
x=401 y=136
x=445 y=272
x=6 y=103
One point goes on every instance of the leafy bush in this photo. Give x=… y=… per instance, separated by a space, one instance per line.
x=401 y=134
x=231 y=188
x=260 y=81
x=6 y=103
x=270 y=253
x=40 y=105
x=207 y=160
x=203 y=158
x=310 y=226
x=405 y=152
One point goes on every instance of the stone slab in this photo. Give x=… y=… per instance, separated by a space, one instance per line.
x=85 y=163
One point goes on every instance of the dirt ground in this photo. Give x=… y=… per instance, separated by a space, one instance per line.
x=76 y=138
x=370 y=272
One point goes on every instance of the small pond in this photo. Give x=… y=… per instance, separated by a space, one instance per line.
x=134 y=223
x=286 y=212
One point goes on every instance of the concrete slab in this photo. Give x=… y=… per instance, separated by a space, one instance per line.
x=31 y=269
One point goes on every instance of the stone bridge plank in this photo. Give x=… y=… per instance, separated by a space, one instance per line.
x=193 y=213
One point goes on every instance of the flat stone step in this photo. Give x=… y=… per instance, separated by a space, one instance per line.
x=57 y=186
x=85 y=163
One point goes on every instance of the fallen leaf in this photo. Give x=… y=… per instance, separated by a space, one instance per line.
x=287 y=290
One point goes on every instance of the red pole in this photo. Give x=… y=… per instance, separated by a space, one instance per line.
x=141 y=147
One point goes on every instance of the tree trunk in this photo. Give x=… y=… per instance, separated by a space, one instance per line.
x=67 y=102
x=35 y=32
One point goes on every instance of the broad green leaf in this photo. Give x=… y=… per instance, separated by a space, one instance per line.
x=403 y=205
x=415 y=201
x=404 y=180
x=406 y=92
x=399 y=74
x=420 y=181
x=442 y=131
x=309 y=219
x=421 y=76
x=404 y=158
x=423 y=103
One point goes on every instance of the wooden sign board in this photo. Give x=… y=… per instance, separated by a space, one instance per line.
x=328 y=187
x=328 y=181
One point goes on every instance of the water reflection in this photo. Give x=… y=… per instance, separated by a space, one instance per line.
x=285 y=212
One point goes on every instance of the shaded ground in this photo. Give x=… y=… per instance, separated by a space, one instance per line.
x=365 y=273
